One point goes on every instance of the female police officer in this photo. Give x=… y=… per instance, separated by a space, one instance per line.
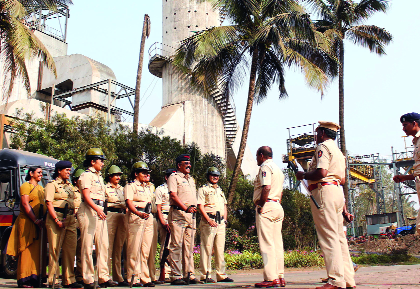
x=117 y=225
x=61 y=224
x=138 y=198
x=92 y=220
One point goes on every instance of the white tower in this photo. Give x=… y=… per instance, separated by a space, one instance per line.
x=186 y=114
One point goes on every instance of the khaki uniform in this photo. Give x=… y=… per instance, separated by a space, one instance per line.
x=182 y=226
x=78 y=271
x=92 y=228
x=329 y=219
x=138 y=253
x=117 y=229
x=416 y=172
x=153 y=247
x=60 y=193
x=213 y=199
x=162 y=198
x=270 y=221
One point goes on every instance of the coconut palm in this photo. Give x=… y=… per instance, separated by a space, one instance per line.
x=343 y=19
x=264 y=38
x=19 y=43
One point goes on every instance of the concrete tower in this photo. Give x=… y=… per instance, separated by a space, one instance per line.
x=186 y=114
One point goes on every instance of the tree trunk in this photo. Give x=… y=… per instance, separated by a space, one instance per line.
x=145 y=34
x=341 y=111
x=245 y=129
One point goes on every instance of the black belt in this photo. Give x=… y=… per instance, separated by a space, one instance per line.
x=140 y=209
x=61 y=210
x=177 y=208
x=165 y=213
x=116 y=210
x=98 y=202
x=211 y=216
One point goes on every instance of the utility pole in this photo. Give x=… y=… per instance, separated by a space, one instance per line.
x=145 y=34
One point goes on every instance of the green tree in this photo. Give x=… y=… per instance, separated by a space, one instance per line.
x=269 y=35
x=18 y=42
x=343 y=19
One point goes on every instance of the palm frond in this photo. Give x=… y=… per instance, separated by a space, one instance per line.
x=320 y=8
x=366 y=8
x=371 y=36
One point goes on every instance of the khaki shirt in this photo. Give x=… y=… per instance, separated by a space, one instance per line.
x=78 y=198
x=139 y=193
x=416 y=156
x=92 y=180
x=115 y=196
x=329 y=157
x=213 y=199
x=184 y=186
x=162 y=197
x=269 y=175
x=60 y=193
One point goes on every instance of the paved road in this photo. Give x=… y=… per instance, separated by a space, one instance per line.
x=381 y=277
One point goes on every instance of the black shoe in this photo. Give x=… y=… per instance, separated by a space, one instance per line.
x=123 y=284
x=91 y=286
x=81 y=282
x=137 y=285
x=108 y=283
x=73 y=285
x=167 y=280
x=227 y=279
x=179 y=282
x=149 y=284
x=57 y=286
x=157 y=282
x=193 y=281
x=209 y=280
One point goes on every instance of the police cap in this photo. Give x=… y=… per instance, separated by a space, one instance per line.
x=330 y=125
x=78 y=173
x=114 y=170
x=213 y=171
x=95 y=153
x=409 y=117
x=184 y=157
x=170 y=171
x=63 y=165
x=140 y=166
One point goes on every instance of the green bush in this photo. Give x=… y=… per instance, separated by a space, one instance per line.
x=298 y=259
x=398 y=256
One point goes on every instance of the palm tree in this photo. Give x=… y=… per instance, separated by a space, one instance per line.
x=18 y=42
x=265 y=37
x=343 y=19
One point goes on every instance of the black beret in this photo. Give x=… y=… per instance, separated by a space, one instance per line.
x=410 y=117
x=170 y=171
x=184 y=157
x=63 y=165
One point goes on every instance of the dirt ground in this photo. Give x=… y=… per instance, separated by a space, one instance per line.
x=410 y=243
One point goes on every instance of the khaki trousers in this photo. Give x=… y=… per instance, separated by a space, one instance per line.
x=78 y=271
x=269 y=225
x=93 y=229
x=212 y=237
x=117 y=234
x=418 y=215
x=162 y=234
x=68 y=248
x=182 y=243
x=153 y=249
x=332 y=240
x=138 y=247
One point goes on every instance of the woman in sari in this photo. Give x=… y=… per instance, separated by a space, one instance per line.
x=24 y=242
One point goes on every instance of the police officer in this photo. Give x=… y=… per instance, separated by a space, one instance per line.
x=411 y=126
x=325 y=175
x=153 y=247
x=77 y=202
x=211 y=203
x=183 y=200
x=60 y=193
x=162 y=207
x=92 y=221
x=117 y=223
x=138 y=198
x=269 y=215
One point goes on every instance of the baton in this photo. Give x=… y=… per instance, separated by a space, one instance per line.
x=294 y=168
x=41 y=253
x=60 y=243
x=147 y=210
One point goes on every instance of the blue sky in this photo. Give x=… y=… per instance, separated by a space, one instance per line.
x=378 y=90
